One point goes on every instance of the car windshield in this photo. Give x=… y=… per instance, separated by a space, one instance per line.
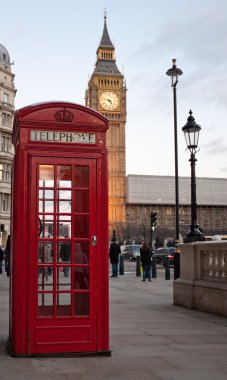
x=136 y=248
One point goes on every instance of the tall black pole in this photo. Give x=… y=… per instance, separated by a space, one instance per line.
x=174 y=73
x=193 y=194
x=177 y=252
x=191 y=131
x=194 y=234
x=176 y=161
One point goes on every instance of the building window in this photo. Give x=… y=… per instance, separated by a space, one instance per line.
x=5 y=119
x=1 y=172
x=5 y=144
x=4 y=202
x=8 y=173
x=5 y=172
x=5 y=98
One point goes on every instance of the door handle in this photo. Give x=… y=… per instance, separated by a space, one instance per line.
x=93 y=240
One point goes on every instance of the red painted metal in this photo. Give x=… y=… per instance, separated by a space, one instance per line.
x=59 y=279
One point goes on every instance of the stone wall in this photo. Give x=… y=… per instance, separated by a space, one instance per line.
x=203 y=277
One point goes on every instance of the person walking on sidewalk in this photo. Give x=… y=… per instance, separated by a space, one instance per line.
x=1 y=258
x=7 y=256
x=114 y=252
x=145 y=255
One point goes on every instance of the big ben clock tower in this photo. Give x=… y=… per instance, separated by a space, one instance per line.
x=106 y=93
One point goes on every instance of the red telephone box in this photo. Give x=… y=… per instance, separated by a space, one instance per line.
x=59 y=282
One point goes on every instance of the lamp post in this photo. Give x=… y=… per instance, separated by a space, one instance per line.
x=174 y=73
x=127 y=228
x=191 y=132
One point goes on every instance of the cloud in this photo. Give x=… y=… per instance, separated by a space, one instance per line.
x=215 y=147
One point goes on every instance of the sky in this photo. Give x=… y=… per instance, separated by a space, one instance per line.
x=53 y=46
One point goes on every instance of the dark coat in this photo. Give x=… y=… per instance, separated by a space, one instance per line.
x=65 y=251
x=1 y=254
x=114 y=252
x=145 y=256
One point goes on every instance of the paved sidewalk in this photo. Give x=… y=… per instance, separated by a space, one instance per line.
x=150 y=338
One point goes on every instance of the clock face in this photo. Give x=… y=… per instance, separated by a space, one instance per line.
x=109 y=101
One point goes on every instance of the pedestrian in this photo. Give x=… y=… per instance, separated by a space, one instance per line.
x=65 y=255
x=7 y=256
x=114 y=252
x=145 y=255
x=1 y=259
x=47 y=259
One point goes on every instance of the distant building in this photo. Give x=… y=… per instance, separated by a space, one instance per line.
x=7 y=95
x=146 y=193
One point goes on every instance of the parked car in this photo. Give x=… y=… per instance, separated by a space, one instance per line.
x=131 y=252
x=161 y=255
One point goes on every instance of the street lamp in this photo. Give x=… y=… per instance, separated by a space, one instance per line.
x=174 y=73
x=127 y=234
x=191 y=132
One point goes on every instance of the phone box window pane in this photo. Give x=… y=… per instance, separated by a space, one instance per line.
x=46 y=175
x=63 y=276
x=64 y=206
x=64 y=229
x=64 y=251
x=63 y=304
x=81 y=303
x=48 y=228
x=81 y=200
x=64 y=177
x=81 y=277
x=81 y=226
x=45 y=278
x=45 y=305
x=49 y=194
x=45 y=252
x=81 y=253
x=64 y=194
x=40 y=206
x=81 y=176
x=49 y=206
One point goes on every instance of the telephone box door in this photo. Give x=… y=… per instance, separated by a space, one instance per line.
x=62 y=295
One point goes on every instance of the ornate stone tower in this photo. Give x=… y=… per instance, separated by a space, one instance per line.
x=7 y=94
x=106 y=93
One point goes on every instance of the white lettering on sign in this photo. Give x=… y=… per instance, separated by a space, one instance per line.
x=63 y=137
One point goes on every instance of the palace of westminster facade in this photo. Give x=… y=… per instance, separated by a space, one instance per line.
x=132 y=198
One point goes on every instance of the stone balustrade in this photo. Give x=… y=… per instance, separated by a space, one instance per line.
x=203 y=281
x=214 y=265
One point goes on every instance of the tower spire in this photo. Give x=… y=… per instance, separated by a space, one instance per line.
x=105 y=15
x=105 y=40
x=105 y=63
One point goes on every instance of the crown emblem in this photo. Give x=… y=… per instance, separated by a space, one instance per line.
x=64 y=116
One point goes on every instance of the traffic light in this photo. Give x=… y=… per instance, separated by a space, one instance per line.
x=153 y=219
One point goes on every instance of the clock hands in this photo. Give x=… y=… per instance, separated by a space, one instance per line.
x=109 y=101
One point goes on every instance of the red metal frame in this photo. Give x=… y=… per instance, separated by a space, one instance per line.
x=30 y=332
